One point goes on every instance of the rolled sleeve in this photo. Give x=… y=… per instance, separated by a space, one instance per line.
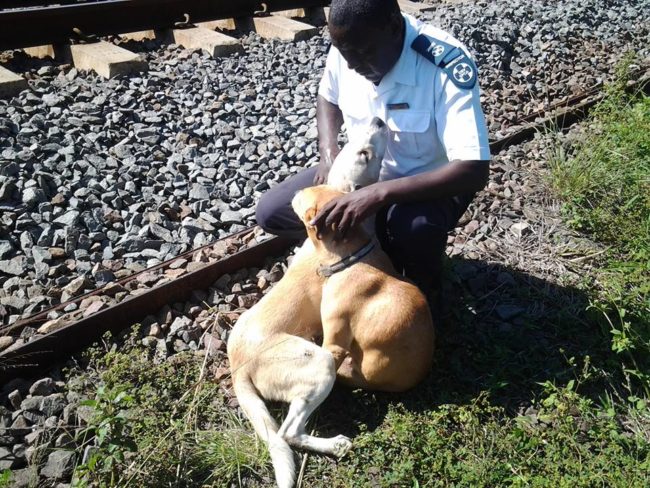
x=460 y=121
x=329 y=83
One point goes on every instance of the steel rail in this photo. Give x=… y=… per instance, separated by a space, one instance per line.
x=22 y=4
x=563 y=114
x=61 y=24
x=40 y=353
x=40 y=318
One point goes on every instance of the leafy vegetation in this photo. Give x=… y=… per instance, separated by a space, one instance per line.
x=161 y=424
x=605 y=187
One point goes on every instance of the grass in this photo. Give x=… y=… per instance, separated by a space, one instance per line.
x=147 y=412
x=605 y=187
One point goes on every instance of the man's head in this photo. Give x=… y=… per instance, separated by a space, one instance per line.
x=368 y=33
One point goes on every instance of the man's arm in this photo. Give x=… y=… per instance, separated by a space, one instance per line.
x=455 y=178
x=329 y=120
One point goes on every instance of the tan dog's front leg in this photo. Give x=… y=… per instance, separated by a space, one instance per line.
x=337 y=338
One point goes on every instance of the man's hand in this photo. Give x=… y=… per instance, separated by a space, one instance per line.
x=320 y=178
x=346 y=211
x=327 y=159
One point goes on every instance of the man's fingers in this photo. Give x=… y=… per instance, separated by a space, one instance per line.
x=320 y=220
x=342 y=227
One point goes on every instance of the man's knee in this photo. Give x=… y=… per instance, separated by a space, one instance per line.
x=414 y=233
x=266 y=213
x=275 y=215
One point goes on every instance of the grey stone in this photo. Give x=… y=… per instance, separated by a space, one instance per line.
x=68 y=219
x=59 y=464
x=53 y=404
x=7 y=458
x=230 y=217
x=199 y=192
x=15 y=398
x=44 y=386
x=41 y=254
x=179 y=323
x=32 y=403
x=51 y=99
x=33 y=196
x=15 y=266
x=6 y=249
x=160 y=232
x=25 y=478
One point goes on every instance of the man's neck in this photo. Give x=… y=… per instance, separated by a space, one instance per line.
x=397 y=49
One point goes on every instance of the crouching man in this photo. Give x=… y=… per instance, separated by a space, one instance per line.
x=423 y=84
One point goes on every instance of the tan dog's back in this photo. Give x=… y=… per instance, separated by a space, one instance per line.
x=391 y=324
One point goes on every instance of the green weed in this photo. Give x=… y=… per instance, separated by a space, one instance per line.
x=605 y=186
x=5 y=478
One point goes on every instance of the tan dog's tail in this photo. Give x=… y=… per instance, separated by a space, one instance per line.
x=265 y=427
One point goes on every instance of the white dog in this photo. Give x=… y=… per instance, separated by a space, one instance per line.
x=359 y=162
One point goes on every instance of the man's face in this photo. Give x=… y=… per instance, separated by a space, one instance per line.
x=369 y=50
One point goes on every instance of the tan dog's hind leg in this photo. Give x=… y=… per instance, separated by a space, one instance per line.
x=337 y=339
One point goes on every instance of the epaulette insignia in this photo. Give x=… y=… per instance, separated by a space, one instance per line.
x=453 y=60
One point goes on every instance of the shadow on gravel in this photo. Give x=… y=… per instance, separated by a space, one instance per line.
x=502 y=332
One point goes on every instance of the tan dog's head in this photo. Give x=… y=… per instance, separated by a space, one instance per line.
x=359 y=162
x=309 y=201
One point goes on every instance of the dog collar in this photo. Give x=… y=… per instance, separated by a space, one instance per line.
x=327 y=271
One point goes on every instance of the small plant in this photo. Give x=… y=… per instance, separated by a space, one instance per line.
x=604 y=184
x=109 y=434
x=5 y=478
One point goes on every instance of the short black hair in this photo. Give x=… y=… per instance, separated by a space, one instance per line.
x=349 y=13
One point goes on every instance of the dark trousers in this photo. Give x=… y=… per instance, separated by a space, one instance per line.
x=414 y=235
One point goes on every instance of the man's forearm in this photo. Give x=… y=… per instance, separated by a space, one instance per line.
x=329 y=120
x=455 y=178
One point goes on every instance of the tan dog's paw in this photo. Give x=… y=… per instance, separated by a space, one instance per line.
x=342 y=445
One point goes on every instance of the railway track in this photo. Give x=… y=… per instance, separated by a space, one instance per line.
x=58 y=22
x=49 y=331
x=46 y=24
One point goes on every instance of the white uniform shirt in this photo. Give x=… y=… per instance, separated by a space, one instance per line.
x=442 y=122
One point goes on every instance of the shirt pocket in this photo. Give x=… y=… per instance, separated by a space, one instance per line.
x=409 y=132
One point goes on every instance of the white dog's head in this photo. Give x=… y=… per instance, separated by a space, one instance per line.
x=359 y=161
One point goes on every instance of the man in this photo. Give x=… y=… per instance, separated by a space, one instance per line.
x=422 y=83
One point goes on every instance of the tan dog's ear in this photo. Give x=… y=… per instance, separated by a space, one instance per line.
x=309 y=215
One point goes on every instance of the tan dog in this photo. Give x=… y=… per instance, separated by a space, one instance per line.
x=373 y=342
x=377 y=325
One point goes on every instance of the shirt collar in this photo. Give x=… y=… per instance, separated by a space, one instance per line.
x=404 y=70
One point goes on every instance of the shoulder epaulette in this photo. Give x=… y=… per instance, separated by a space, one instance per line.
x=452 y=59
